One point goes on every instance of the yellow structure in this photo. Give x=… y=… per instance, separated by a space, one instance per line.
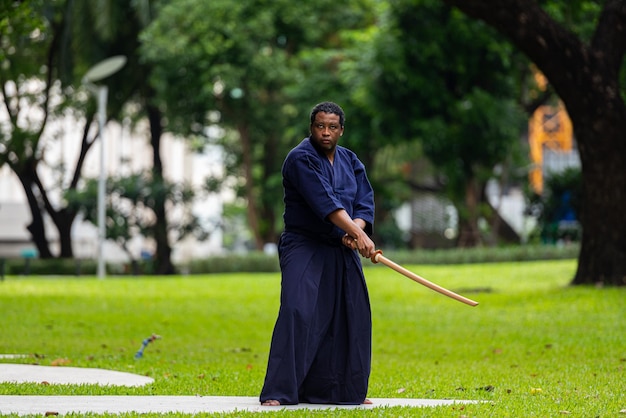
x=549 y=127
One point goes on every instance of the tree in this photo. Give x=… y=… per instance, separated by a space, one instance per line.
x=130 y=200
x=444 y=82
x=49 y=47
x=588 y=76
x=33 y=33
x=104 y=28
x=235 y=64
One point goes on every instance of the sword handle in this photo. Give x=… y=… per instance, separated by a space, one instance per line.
x=375 y=256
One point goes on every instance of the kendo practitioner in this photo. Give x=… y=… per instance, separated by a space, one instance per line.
x=321 y=345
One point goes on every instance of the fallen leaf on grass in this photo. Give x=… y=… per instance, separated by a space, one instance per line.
x=60 y=362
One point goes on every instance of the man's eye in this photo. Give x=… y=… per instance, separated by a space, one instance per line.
x=330 y=127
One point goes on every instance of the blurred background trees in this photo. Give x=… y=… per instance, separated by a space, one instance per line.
x=584 y=63
x=437 y=95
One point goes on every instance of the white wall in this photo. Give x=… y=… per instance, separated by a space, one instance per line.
x=125 y=152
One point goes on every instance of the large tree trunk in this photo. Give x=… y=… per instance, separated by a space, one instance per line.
x=602 y=256
x=586 y=77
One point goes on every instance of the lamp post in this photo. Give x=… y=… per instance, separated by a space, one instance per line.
x=98 y=72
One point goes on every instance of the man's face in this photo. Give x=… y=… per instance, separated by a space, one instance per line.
x=325 y=132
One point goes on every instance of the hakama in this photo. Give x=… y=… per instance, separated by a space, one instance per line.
x=321 y=344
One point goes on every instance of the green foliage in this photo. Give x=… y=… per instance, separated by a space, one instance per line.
x=579 y=16
x=253 y=69
x=533 y=347
x=24 y=32
x=31 y=67
x=27 y=36
x=404 y=71
x=456 y=81
x=226 y=62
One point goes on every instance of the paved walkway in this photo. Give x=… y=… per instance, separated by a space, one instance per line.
x=40 y=405
x=62 y=375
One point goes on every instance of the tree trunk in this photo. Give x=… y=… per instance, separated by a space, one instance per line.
x=36 y=227
x=63 y=220
x=253 y=205
x=602 y=256
x=270 y=167
x=500 y=229
x=469 y=234
x=163 y=256
x=586 y=78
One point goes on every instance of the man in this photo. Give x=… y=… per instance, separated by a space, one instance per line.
x=321 y=345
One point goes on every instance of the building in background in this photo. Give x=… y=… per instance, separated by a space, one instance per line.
x=125 y=153
x=550 y=139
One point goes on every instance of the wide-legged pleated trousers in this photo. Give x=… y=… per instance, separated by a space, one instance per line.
x=321 y=344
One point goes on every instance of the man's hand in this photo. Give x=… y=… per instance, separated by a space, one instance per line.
x=357 y=238
x=348 y=241
x=365 y=246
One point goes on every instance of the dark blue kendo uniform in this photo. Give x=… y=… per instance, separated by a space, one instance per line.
x=321 y=345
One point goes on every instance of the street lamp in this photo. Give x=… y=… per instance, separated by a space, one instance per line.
x=98 y=72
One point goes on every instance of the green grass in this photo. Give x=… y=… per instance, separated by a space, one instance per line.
x=533 y=347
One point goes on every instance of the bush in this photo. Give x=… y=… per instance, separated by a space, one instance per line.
x=485 y=254
x=263 y=263
x=52 y=266
x=250 y=262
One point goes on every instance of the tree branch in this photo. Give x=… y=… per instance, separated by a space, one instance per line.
x=610 y=35
x=532 y=30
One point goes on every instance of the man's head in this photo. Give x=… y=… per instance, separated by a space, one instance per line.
x=329 y=107
x=327 y=121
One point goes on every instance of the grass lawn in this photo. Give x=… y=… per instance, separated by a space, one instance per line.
x=533 y=347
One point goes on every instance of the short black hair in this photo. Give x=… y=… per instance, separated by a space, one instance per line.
x=328 y=107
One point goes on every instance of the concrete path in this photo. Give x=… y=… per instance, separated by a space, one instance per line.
x=43 y=405
x=62 y=375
